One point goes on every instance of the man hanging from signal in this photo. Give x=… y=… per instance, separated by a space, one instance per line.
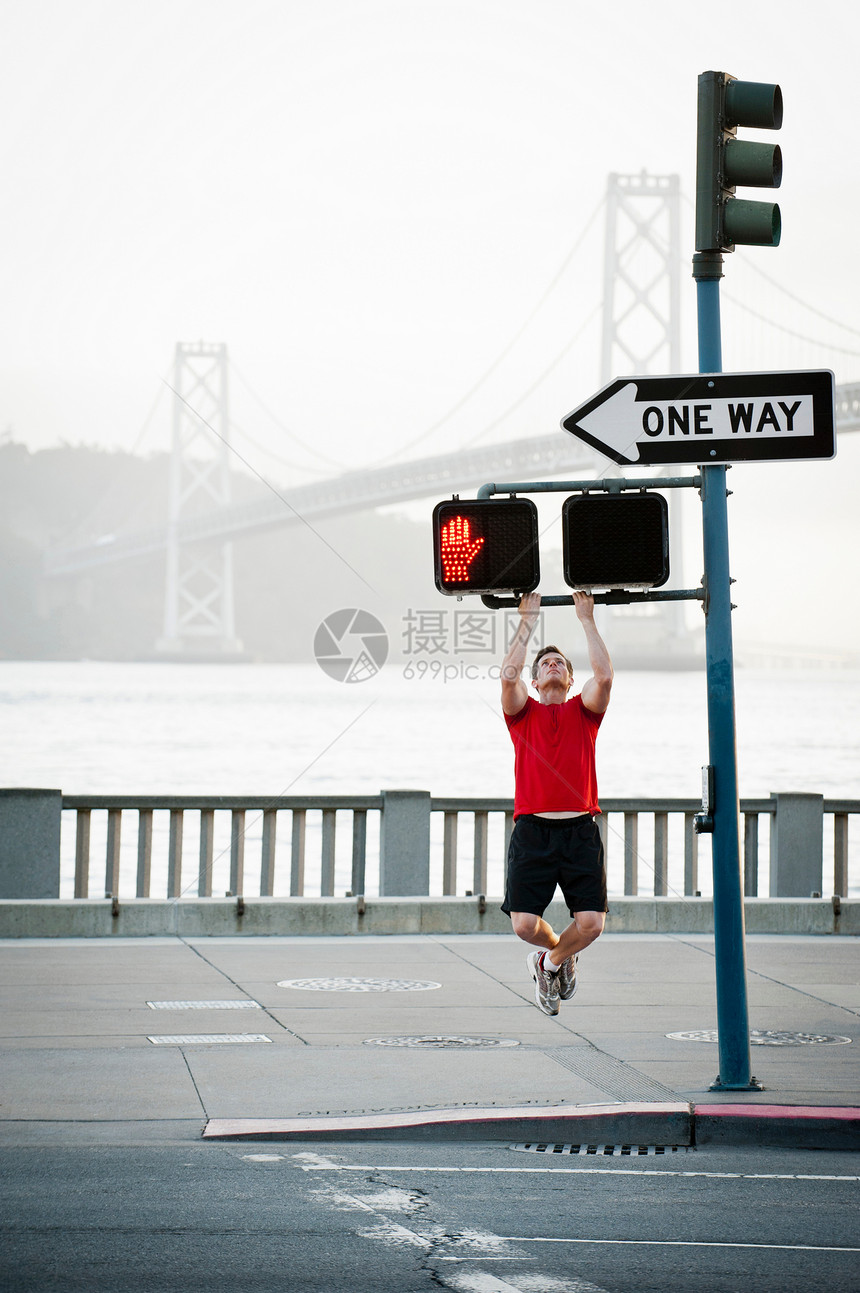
x=556 y=839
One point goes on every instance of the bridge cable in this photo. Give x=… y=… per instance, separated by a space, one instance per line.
x=476 y=385
x=789 y=332
x=329 y=462
x=535 y=384
x=503 y=354
x=798 y=301
x=118 y=476
x=271 y=487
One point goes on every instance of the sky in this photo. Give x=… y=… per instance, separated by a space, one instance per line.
x=392 y=212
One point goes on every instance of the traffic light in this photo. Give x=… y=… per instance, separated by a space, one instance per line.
x=486 y=546
x=615 y=540
x=723 y=161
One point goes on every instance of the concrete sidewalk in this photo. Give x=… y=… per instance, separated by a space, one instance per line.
x=435 y=1037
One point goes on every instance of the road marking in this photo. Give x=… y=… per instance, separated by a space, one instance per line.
x=316 y=1163
x=206 y=1039
x=484 y=1282
x=682 y=1243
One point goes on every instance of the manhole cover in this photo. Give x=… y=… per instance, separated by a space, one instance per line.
x=436 y=1043
x=765 y=1038
x=359 y=985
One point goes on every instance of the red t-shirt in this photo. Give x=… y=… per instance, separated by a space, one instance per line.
x=554 y=763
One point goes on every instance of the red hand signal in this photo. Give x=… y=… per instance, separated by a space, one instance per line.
x=458 y=550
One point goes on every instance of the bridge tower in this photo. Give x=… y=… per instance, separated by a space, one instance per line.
x=198 y=603
x=642 y=276
x=642 y=334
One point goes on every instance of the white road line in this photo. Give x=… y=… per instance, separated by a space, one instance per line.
x=682 y=1243
x=326 y=1165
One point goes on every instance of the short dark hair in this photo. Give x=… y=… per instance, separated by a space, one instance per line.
x=546 y=651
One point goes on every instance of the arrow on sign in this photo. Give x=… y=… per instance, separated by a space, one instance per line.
x=710 y=418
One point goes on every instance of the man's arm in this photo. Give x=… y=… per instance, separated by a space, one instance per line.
x=515 y=693
x=595 y=693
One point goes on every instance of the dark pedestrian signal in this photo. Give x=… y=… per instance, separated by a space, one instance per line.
x=486 y=546
x=615 y=540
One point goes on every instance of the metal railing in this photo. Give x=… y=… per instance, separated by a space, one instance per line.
x=328 y=845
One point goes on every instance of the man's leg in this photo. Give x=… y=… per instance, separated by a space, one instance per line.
x=554 y=970
x=535 y=930
x=585 y=927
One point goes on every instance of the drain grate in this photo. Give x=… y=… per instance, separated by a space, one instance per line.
x=359 y=985
x=437 y=1043
x=207 y=1039
x=617 y=1079
x=601 y=1151
x=204 y=1005
x=759 y=1037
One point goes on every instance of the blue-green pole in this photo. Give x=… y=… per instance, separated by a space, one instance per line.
x=732 y=1011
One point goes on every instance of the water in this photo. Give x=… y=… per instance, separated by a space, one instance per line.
x=113 y=728
x=271 y=729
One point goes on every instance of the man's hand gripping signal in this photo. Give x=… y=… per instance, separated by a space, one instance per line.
x=458 y=550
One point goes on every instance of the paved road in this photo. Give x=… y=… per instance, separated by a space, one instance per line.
x=403 y=1218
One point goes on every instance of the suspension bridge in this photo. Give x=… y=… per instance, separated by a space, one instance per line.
x=642 y=212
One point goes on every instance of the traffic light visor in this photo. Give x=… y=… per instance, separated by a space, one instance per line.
x=486 y=546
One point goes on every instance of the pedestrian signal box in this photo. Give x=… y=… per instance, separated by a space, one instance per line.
x=615 y=540
x=486 y=546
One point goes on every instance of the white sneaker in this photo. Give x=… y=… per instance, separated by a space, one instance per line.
x=546 y=985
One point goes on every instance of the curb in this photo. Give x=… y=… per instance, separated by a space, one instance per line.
x=778 y=1126
x=671 y=1123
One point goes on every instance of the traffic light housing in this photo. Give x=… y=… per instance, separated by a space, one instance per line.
x=615 y=540
x=486 y=546
x=723 y=162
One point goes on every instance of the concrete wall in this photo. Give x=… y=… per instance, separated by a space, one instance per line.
x=202 y=917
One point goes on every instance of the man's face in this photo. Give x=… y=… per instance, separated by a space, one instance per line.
x=552 y=668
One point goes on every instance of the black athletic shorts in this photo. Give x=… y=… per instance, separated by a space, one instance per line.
x=549 y=851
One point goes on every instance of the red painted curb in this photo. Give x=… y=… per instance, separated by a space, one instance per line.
x=800 y=1111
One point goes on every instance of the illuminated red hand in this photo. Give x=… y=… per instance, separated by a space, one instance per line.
x=458 y=550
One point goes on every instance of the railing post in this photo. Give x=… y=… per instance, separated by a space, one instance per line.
x=267 y=853
x=750 y=855
x=631 y=854
x=449 y=855
x=359 y=849
x=114 y=829
x=30 y=843
x=83 y=819
x=297 y=853
x=174 y=854
x=691 y=856
x=329 y=821
x=796 y=845
x=207 y=852
x=661 y=855
x=404 y=844
x=840 y=854
x=237 y=851
x=144 y=852
x=479 y=870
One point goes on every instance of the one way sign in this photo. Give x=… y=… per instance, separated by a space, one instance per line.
x=710 y=418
